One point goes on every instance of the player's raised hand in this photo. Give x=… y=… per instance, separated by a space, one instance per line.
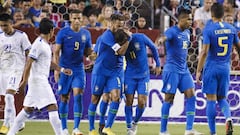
x=198 y=75
x=157 y=71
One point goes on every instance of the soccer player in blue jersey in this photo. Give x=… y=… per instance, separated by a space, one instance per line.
x=108 y=73
x=137 y=77
x=73 y=42
x=218 y=39
x=176 y=74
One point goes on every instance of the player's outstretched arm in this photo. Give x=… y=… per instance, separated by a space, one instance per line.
x=26 y=73
x=55 y=67
x=201 y=62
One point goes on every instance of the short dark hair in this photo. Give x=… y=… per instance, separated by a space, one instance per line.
x=120 y=36
x=115 y=17
x=45 y=26
x=183 y=11
x=217 y=10
x=5 y=17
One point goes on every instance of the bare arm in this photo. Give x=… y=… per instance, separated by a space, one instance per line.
x=123 y=49
x=56 y=61
x=201 y=61
x=26 y=73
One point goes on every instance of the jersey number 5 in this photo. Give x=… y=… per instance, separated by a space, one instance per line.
x=224 y=46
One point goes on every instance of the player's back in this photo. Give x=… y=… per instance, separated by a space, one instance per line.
x=220 y=36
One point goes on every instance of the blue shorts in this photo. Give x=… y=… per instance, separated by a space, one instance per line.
x=172 y=81
x=66 y=82
x=216 y=82
x=140 y=85
x=104 y=84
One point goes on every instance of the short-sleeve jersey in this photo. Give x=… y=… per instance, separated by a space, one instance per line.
x=73 y=45
x=220 y=36
x=12 y=50
x=177 y=44
x=136 y=56
x=108 y=62
x=42 y=54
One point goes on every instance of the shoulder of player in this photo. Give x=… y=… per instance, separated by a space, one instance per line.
x=19 y=32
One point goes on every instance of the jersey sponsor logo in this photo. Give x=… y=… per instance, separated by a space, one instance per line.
x=69 y=37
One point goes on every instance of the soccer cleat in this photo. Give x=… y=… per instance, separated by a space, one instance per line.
x=229 y=127
x=164 y=133
x=192 y=132
x=93 y=132
x=21 y=127
x=134 y=128
x=76 y=132
x=101 y=126
x=108 y=131
x=4 y=130
x=65 y=132
x=130 y=132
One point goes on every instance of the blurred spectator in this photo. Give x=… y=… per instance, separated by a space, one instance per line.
x=55 y=17
x=127 y=15
x=142 y=24
x=203 y=14
x=20 y=21
x=94 y=4
x=118 y=5
x=43 y=14
x=172 y=5
x=237 y=22
x=25 y=6
x=7 y=7
x=85 y=21
x=93 y=20
x=105 y=15
x=72 y=6
x=229 y=7
x=229 y=19
x=35 y=11
x=81 y=5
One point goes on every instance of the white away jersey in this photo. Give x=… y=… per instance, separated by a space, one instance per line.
x=41 y=52
x=12 y=50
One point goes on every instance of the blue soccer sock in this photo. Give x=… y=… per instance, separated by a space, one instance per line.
x=112 y=113
x=91 y=115
x=139 y=113
x=165 y=113
x=211 y=114
x=63 y=112
x=128 y=116
x=190 y=112
x=103 y=110
x=77 y=109
x=225 y=107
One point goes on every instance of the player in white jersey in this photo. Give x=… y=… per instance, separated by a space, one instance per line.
x=14 y=47
x=36 y=73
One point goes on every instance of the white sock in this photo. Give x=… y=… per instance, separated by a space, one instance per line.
x=20 y=119
x=55 y=122
x=9 y=110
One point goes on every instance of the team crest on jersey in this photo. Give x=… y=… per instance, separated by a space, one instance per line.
x=83 y=38
x=137 y=46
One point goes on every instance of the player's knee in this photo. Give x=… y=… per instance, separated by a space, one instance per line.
x=95 y=99
x=64 y=98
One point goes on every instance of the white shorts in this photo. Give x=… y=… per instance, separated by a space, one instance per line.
x=9 y=79
x=39 y=95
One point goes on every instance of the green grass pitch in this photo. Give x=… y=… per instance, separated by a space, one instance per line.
x=44 y=128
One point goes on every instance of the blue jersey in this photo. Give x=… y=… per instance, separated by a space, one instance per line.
x=73 y=46
x=177 y=44
x=136 y=56
x=108 y=62
x=220 y=36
